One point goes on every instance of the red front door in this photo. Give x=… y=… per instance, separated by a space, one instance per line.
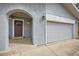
x=18 y=28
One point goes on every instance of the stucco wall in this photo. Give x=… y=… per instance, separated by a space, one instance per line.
x=38 y=24
x=4 y=41
x=27 y=29
x=36 y=10
x=10 y=28
x=58 y=10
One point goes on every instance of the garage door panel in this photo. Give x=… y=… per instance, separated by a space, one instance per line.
x=58 y=31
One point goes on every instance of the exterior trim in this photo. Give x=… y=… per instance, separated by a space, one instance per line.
x=53 y=18
x=75 y=7
x=13 y=35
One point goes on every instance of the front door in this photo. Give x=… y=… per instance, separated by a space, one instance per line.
x=18 y=28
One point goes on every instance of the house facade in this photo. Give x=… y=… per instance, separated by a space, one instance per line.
x=43 y=23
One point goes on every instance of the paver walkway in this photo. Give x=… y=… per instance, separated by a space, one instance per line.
x=61 y=48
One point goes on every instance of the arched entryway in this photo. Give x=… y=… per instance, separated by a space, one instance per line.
x=20 y=27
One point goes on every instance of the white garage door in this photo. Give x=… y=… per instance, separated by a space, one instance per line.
x=59 y=31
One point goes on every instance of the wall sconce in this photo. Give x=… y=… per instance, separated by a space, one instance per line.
x=43 y=17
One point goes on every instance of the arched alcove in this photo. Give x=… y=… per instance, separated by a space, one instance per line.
x=20 y=26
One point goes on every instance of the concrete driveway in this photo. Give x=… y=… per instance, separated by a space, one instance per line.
x=60 y=48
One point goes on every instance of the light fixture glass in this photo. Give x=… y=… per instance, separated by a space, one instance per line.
x=28 y=22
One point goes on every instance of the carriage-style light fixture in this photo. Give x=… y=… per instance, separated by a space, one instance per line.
x=43 y=16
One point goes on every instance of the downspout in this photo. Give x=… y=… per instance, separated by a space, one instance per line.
x=45 y=30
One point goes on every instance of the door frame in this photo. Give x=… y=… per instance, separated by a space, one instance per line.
x=13 y=28
x=77 y=29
